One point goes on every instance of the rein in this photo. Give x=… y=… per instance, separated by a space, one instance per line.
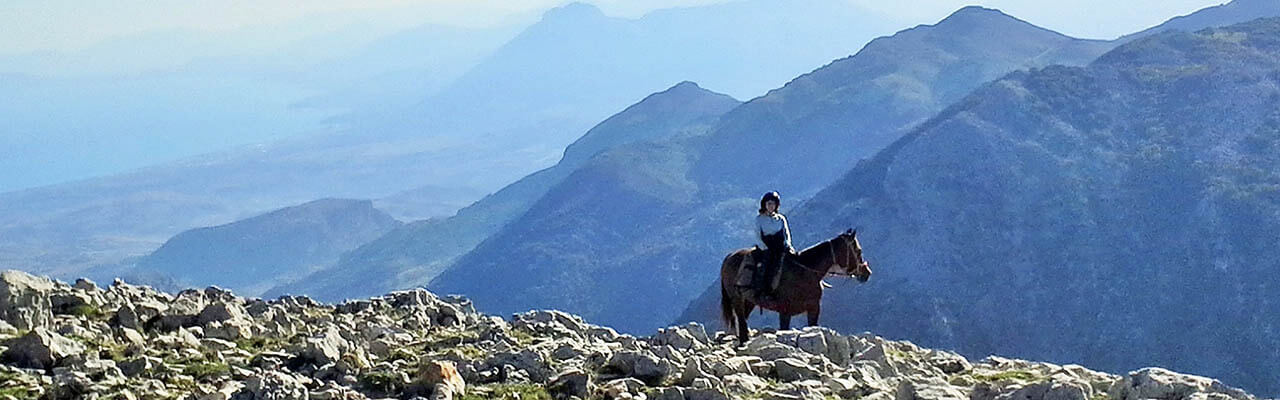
x=834 y=259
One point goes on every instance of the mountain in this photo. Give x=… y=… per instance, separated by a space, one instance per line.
x=1118 y=214
x=84 y=342
x=418 y=251
x=633 y=235
x=509 y=115
x=864 y=102
x=257 y=253
x=67 y=229
x=1230 y=13
x=576 y=65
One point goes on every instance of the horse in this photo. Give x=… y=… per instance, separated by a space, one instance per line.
x=800 y=284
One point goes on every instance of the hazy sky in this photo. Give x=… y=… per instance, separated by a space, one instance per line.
x=65 y=25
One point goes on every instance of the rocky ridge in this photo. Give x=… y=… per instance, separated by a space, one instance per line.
x=79 y=341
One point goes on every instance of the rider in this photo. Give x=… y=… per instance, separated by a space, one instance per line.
x=774 y=237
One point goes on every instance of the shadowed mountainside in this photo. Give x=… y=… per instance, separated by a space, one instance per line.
x=417 y=252
x=1124 y=212
x=628 y=237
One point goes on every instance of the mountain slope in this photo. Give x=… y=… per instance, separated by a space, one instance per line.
x=254 y=254
x=1123 y=212
x=417 y=252
x=633 y=236
x=1233 y=12
x=516 y=110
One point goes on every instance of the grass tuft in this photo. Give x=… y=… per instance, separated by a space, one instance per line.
x=522 y=391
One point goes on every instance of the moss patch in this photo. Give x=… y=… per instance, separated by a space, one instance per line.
x=382 y=382
x=88 y=311
x=205 y=371
x=507 y=392
x=1008 y=375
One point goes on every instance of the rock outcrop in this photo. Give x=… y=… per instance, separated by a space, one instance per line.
x=132 y=342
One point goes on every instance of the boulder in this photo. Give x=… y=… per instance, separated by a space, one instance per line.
x=218 y=312
x=231 y=329
x=744 y=384
x=272 y=385
x=735 y=365
x=24 y=300
x=443 y=376
x=947 y=362
x=325 y=348
x=71 y=385
x=1047 y=391
x=622 y=388
x=694 y=369
x=528 y=362
x=639 y=365
x=1160 y=383
x=790 y=369
x=928 y=389
x=136 y=366
x=776 y=351
x=669 y=393
x=685 y=337
x=570 y=383
x=40 y=349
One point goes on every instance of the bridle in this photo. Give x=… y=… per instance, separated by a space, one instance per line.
x=848 y=247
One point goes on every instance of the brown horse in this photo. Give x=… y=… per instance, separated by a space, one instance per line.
x=800 y=285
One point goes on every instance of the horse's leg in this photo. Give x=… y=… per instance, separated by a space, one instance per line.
x=784 y=321
x=743 y=313
x=813 y=314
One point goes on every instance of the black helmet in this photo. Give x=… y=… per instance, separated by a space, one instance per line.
x=770 y=196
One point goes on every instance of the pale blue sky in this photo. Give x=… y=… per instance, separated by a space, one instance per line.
x=67 y=25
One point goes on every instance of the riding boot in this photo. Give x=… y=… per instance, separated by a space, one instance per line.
x=765 y=291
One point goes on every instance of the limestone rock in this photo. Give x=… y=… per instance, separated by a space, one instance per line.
x=40 y=349
x=1159 y=383
x=443 y=375
x=570 y=383
x=218 y=312
x=272 y=385
x=928 y=389
x=790 y=369
x=639 y=365
x=24 y=300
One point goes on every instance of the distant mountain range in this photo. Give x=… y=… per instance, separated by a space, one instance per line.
x=417 y=252
x=1115 y=215
x=523 y=103
x=254 y=254
x=626 y=238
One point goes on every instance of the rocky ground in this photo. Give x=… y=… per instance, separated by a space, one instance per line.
x=60 y=341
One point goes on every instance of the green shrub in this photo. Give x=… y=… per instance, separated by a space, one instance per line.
x=382 y=381
x=1008 y=375
x=521 y=391
x=89 y=311
x=206 y=370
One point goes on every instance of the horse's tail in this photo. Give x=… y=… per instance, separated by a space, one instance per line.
x=726 y=310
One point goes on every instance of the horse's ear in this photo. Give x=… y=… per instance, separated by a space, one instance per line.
x=848 y=231
x=853 y=231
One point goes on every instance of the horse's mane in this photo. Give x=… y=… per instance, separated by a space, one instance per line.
x=812 y=251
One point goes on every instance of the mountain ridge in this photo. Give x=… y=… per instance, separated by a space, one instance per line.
x=1135 y=185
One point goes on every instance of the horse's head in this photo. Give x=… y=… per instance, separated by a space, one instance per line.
x=850 y=256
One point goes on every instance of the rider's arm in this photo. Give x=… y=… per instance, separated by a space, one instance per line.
x=786 y=231
x=758 y=232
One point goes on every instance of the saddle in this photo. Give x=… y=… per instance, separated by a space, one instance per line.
x=751 y=266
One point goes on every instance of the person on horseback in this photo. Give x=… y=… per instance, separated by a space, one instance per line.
x=773 y=238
